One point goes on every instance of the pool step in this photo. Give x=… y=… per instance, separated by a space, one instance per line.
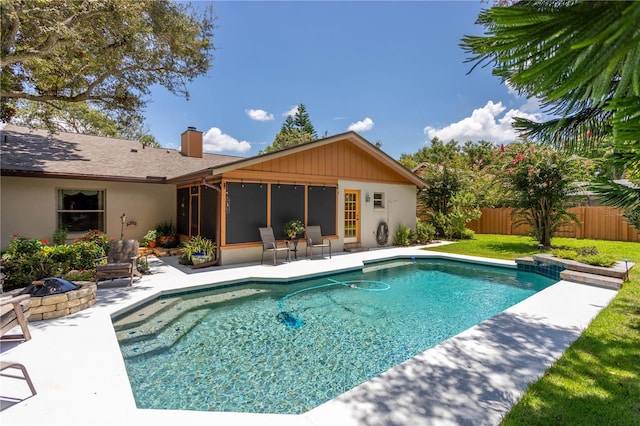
x=145 y=313
x=591 y=279
x=165 y=338
x=161 y=328
x=385 y=265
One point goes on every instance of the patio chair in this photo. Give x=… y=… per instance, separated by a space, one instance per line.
x=269 y=244
x=121 y=261
x=315 y=240
x=15 y=311
x=25 y=376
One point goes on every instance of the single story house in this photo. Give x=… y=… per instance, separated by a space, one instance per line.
x=342 y=183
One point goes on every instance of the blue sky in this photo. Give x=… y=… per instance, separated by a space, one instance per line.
x=392 y=71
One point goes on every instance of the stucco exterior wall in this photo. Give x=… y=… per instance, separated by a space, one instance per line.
x=28 y=206
x=399 y=208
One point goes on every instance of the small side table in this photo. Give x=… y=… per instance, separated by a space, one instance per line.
x=295 y=248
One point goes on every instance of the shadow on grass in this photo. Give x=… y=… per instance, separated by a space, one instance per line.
x=519 y=248
x=597 y=381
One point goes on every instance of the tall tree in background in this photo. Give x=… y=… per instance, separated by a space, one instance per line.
x=79 y=117
x=296 y=129
x=106 y=54
x=582 y=59
x=437 y=152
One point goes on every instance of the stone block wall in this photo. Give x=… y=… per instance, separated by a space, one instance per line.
x=59 y=305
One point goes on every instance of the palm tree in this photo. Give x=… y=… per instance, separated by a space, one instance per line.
x=582 y=60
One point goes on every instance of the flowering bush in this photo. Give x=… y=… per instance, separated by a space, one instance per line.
x=27 y=260
x=85 y=253
x=539 y=181
x=97 y=237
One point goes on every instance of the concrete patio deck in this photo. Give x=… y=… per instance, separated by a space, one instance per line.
x=473 y=378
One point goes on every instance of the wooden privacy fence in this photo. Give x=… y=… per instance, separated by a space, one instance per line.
x=599 y=223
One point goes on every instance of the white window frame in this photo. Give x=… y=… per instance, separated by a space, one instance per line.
x=61 y=209
x=378 y=200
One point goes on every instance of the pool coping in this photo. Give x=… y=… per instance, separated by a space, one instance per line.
x=472 y=378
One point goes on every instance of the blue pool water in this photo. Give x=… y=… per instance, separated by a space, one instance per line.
x=233 y=350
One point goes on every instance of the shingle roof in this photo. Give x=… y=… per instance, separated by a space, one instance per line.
x=37 y=152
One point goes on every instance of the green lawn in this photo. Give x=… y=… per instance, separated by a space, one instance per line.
x=597 y=380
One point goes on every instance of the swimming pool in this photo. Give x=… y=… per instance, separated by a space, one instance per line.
x=229 y=350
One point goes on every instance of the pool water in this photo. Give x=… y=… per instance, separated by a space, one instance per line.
x=230 y=350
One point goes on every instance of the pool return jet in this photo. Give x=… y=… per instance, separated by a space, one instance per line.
x=293 y=322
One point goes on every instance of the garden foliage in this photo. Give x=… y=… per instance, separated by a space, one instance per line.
x=27 y=260
x=539 y=182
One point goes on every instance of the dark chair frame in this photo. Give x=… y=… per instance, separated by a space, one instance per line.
x=269 y=244
x=314 y=238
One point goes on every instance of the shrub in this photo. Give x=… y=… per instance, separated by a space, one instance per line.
x=25 y=261
x=60 y=236
x=598 y=260
x=402 y=236
x=588 y=255
x=587 y=251
x=62 y=257
x=467 y=234
x=143 y=265
x=85 y=254
x=98 y=237
x=424 y=232
x=165 y=229
x=565 y=254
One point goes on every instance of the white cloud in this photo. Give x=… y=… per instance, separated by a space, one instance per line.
x=362 y=125
x=259 y=114
x=486 y=123
x=292 y=111
x=532 y=106
x=216 y=141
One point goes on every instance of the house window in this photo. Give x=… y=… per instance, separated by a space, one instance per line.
x=80 y=210
x=378 y=200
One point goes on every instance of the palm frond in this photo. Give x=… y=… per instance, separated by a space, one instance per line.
x=562 y=53
x=617 y=195
x=581 y=132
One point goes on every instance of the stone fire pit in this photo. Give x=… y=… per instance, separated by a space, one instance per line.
x=59 y=305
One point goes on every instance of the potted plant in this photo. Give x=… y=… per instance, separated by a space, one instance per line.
x=293 y=228
x=149 y=239
x=167 y=234
x=198 y=250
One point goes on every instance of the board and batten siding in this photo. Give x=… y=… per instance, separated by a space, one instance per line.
x=341 y=160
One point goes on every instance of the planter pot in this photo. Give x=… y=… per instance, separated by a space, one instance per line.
x=168 y=241
x=197 y=259
x=152 y=244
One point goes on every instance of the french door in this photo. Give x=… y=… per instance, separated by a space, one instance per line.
x=351 y=216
